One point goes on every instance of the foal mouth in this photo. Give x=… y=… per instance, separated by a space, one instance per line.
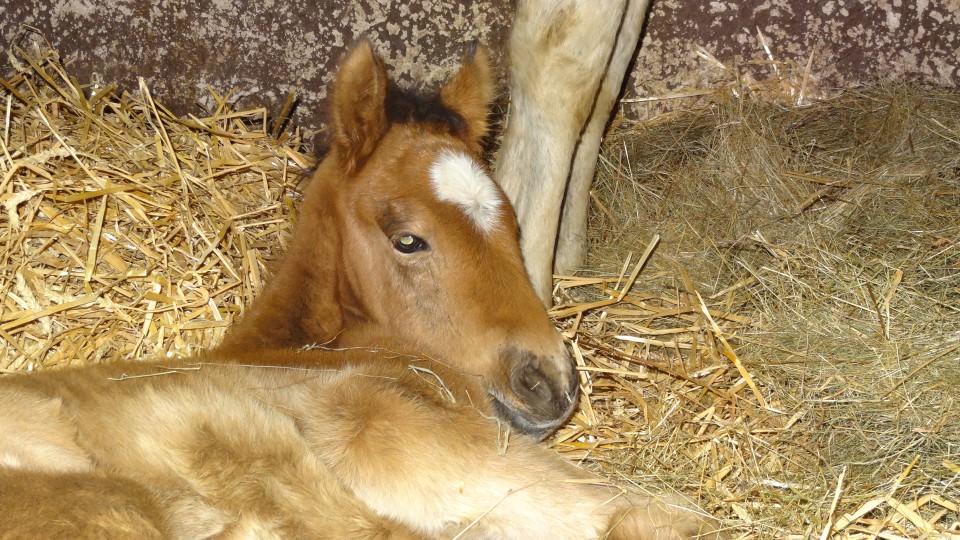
x=527 y=422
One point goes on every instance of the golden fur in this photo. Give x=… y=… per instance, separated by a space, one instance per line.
x=368 y=445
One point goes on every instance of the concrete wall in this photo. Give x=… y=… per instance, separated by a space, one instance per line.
x=264 y=49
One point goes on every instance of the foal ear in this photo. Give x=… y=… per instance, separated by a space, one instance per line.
x=359 y=114
x=470 y=92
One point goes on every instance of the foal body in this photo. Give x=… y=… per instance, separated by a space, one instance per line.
x=371 y=444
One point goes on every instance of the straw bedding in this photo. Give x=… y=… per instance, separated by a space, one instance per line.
x=129 y=232
x=770 y=324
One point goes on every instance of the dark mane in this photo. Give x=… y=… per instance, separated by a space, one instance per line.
x=406 y=107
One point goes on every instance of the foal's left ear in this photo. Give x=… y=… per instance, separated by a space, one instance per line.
x=470 y=92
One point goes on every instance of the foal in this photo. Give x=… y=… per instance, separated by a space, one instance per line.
x=403 y=234
x=367 y=442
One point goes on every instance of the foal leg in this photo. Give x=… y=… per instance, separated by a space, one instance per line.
x=571 y=241
x=445 y=470
x=76 y=505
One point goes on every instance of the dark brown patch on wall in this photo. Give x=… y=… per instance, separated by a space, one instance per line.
x=262 y=50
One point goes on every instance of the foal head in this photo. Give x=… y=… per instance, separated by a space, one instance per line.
x=403 y=235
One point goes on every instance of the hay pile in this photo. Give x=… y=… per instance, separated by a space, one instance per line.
x=788 y=355
x=832 y=231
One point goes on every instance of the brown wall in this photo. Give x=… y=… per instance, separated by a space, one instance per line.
x=264 y=49
x=851 y=43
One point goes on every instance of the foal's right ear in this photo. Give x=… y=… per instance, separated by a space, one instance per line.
x=470 y=92
x=359 y=97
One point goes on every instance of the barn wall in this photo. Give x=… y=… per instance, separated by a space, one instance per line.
x=848 y=43
x=264 y=49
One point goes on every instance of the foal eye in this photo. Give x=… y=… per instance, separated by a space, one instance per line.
x=408 y=243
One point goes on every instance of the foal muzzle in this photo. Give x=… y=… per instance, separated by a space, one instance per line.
x=541 y=392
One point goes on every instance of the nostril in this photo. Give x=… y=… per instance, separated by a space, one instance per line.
x=531 y=383
x=536 y=393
